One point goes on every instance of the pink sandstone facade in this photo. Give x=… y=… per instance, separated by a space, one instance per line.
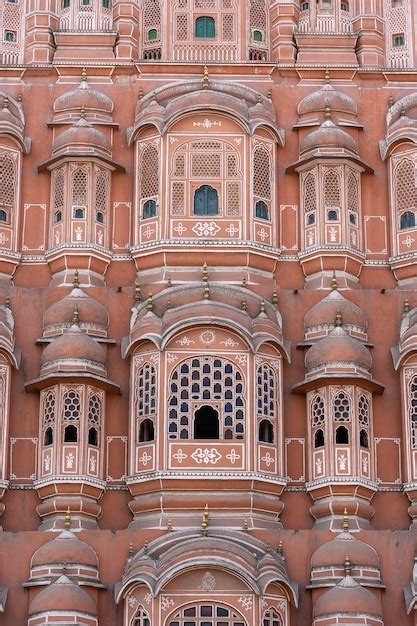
x=208 y=312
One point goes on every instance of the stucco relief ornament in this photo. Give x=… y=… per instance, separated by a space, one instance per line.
x=47 y=463
x=268 y=459
x=408 y=241
x=171 y=358
x=166 y=603
x=145 y=458
x=319 y=466
x=206 y=456
x=333 y=235
x=206 y=229
x=207 y=336
x=233 y=456
x=69 y=460
x=342 y=461
x=3 y=238
x=93 y=465
x=232 y=230
x=185 y=341
x=262 y=234
x=148 y=232
x=246 y=602
x=310 y=239
x=229 y=343
x=180 y=456
x=365 y=465
x=79 y=233
x=242 y=359
x=208 y=582
x=100 y=238
x=131 y=601
x=207 y=123
x=148 y=598
x=180 y=229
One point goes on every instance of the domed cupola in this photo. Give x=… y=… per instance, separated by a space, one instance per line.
x=97 y=105
x=12 y=120
x=82 y=139
x=346 y=601
x=327 y=96
x=329 y=140
x=64 y=599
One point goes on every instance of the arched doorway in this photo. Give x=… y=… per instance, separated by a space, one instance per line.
x=206 y=423
x=206 y=201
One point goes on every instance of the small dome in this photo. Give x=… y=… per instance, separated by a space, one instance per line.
x=328 y=136
x=63 y=595
x=66 y=548
x=338 y=347
x=327 y=96
x=347 y=597
x=325 y=311
x=90 y=311
x=334 y=552
x=74 y=344
x=82 y=134
x=83 y=97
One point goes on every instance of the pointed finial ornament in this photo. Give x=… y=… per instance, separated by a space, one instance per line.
x=347 y=566
x=391 y=101
x=205 y=273
x=244 y=283
x=6 y=102
x=149 y=304
x=146 y=547
x=334 y=281
x=84 y=74
x=245 y=527
x=67 y=521
x=76 y=281
x=82 y=112
x=169 y=526
x=244 y=306
x=280 y=546
x=275 y=298
x=205 y=521
x=137 y=293
x=7 y=302
x=327 y=75
x=206 y=292
x=76 y=316
x=205 y=78
x=406 y=306
x=130 y=550
x=327 y=112
x=402 y=112
x=345 y=524
x=262 y=308
x=169 y=282
x=338 y=321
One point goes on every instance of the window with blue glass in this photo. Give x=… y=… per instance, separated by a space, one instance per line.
x=206 y=201
x=205 y=27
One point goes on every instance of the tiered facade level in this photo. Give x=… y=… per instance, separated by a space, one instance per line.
x=208 y=312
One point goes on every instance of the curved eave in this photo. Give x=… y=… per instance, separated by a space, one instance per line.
x=23 y=142
x=399 y=357
x=74 y=155
x=55 y=378
x=391 y=141
x=290 y=586
x=316 y=155
x=309 y=384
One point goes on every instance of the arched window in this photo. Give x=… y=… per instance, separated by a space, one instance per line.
x=206 y=383
x=206 y=614
x=70 y=434
x=92 y=437
x=205 y=27
x=146 y=431
x=146 y=391
x=149 y=209
x=363 y=439
x=342 y=435
x=412 y=404
x=266 y=431
x=266 y=391
x=3 y=216
x=7 y=182
x=262 y=175
x=271 y=618
x=261 y=210
x=99 y=217
x=206 y=423
x=319 y=438
x=257 y=36
x=332 y=216
x=79 y=192
x=332 y=191
x=79 y=214
x=206 y=201
x=341 y=407
x=57 y=217
x=149 y=176
x=141 y=618
x=407 y=220
x=48 y=438
x=317 y=412
x=304 y=6
x=152 y=34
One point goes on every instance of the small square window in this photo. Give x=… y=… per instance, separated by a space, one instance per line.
x=66 y=4
x=85 y=3
x=9 y=35
x=398 y=40
x=395 y=4
x=105 y=4
x=12 y=1
x=304 y=6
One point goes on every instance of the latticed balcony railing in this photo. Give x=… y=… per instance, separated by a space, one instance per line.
x=220 y=53
x=91 y=16
x=325 y=22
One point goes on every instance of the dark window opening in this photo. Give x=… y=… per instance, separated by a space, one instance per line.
x=9 y=35
x=266 y=431
x=100 y=217
x=79 y=214
x=152 y=34
x=3 y=215
x=261 y=210
x=407 y=220
x=48 y=438
x=206 y=423
x=352 y=219
x=311 y=219
x=105 y=4
x=304 y=6
x=257 y=35
x=205 y=27
x=146 y=431
x=206 y=201
x=319 y=438
x=398 y=40
x=57 y=217
x=149 y=209
x=342 y=435
x=66 y=4
x=93 y=437
x=70 y=434
x=363 y=439
x=332 y=216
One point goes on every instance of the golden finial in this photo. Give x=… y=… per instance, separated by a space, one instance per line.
x=258 y=98
x=149 y=304
x=280 y=547
x=244 y=306
x=67 y=521
x=275 y=298
x=269 y=94
x=137 y=293
x=6 y=102
x=345 y=524
x=245 y=527
x=169 y=526
x=82 y=112
x=338 y=320
x=76 y=281
x=244 y=283
x=140 y=94
x=402 y=112
x=146 y=547
x=205 y=273
x=206 y=292
x=76 y=316
x=262 y=308
x=406 y=306
x=169 y=282
x=327 y=75
x=169 y=304
x=347 y=566
x=327 y=112
x=7 y=302
x=84 y=74
x=205 y=520
x=19 y=97
x=130 y=550
x=205 y=78
x=334 y=284
x=391 y=101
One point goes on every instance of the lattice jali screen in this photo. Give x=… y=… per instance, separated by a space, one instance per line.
x=233 y=196
x=101 y=190
x=266 y=391
x=257 y=15
x=397 y=23
x=178 y=198
x=331 y=188
x=206 y=165
x=317 y=412
x=152 y=20
x=412 y=410
x=58 y=194
x=181 y=24
x=310 y=193
x=8 y=179
x=405 y=188
x=149 y=172
x=262 y=173
x=228 y=27
x=352 y=193
x=79 y=191
x=11 y=20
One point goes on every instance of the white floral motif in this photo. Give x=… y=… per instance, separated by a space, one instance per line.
x=263 y=603
x=342 y=461
x=354 y=238
x=408 y=241
x=57 y=238
x=69 y=460
x=166 y=603
x=365 y=463
x=79 y=233
x=333 y=235
x=246 y=602
x=268 y=459
x=207 y=336
x=131 y=601
x=180 y=229
x=207 y=123
x=92 y=464
x=310 y=238
x=180 y=456
x=232 y=230
x=148 y=598
x=3 y=238
x=319 y=466
x=229 y=343
x=205 y=229
x=233 y=456
x=171 y=358
x=100 y=238
x=206 y=456
x=262 y=234
x=145 y=458
x=47 y=463
x=241 y=359
x=208 y=582
x=148 y=232
x=185 y=341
